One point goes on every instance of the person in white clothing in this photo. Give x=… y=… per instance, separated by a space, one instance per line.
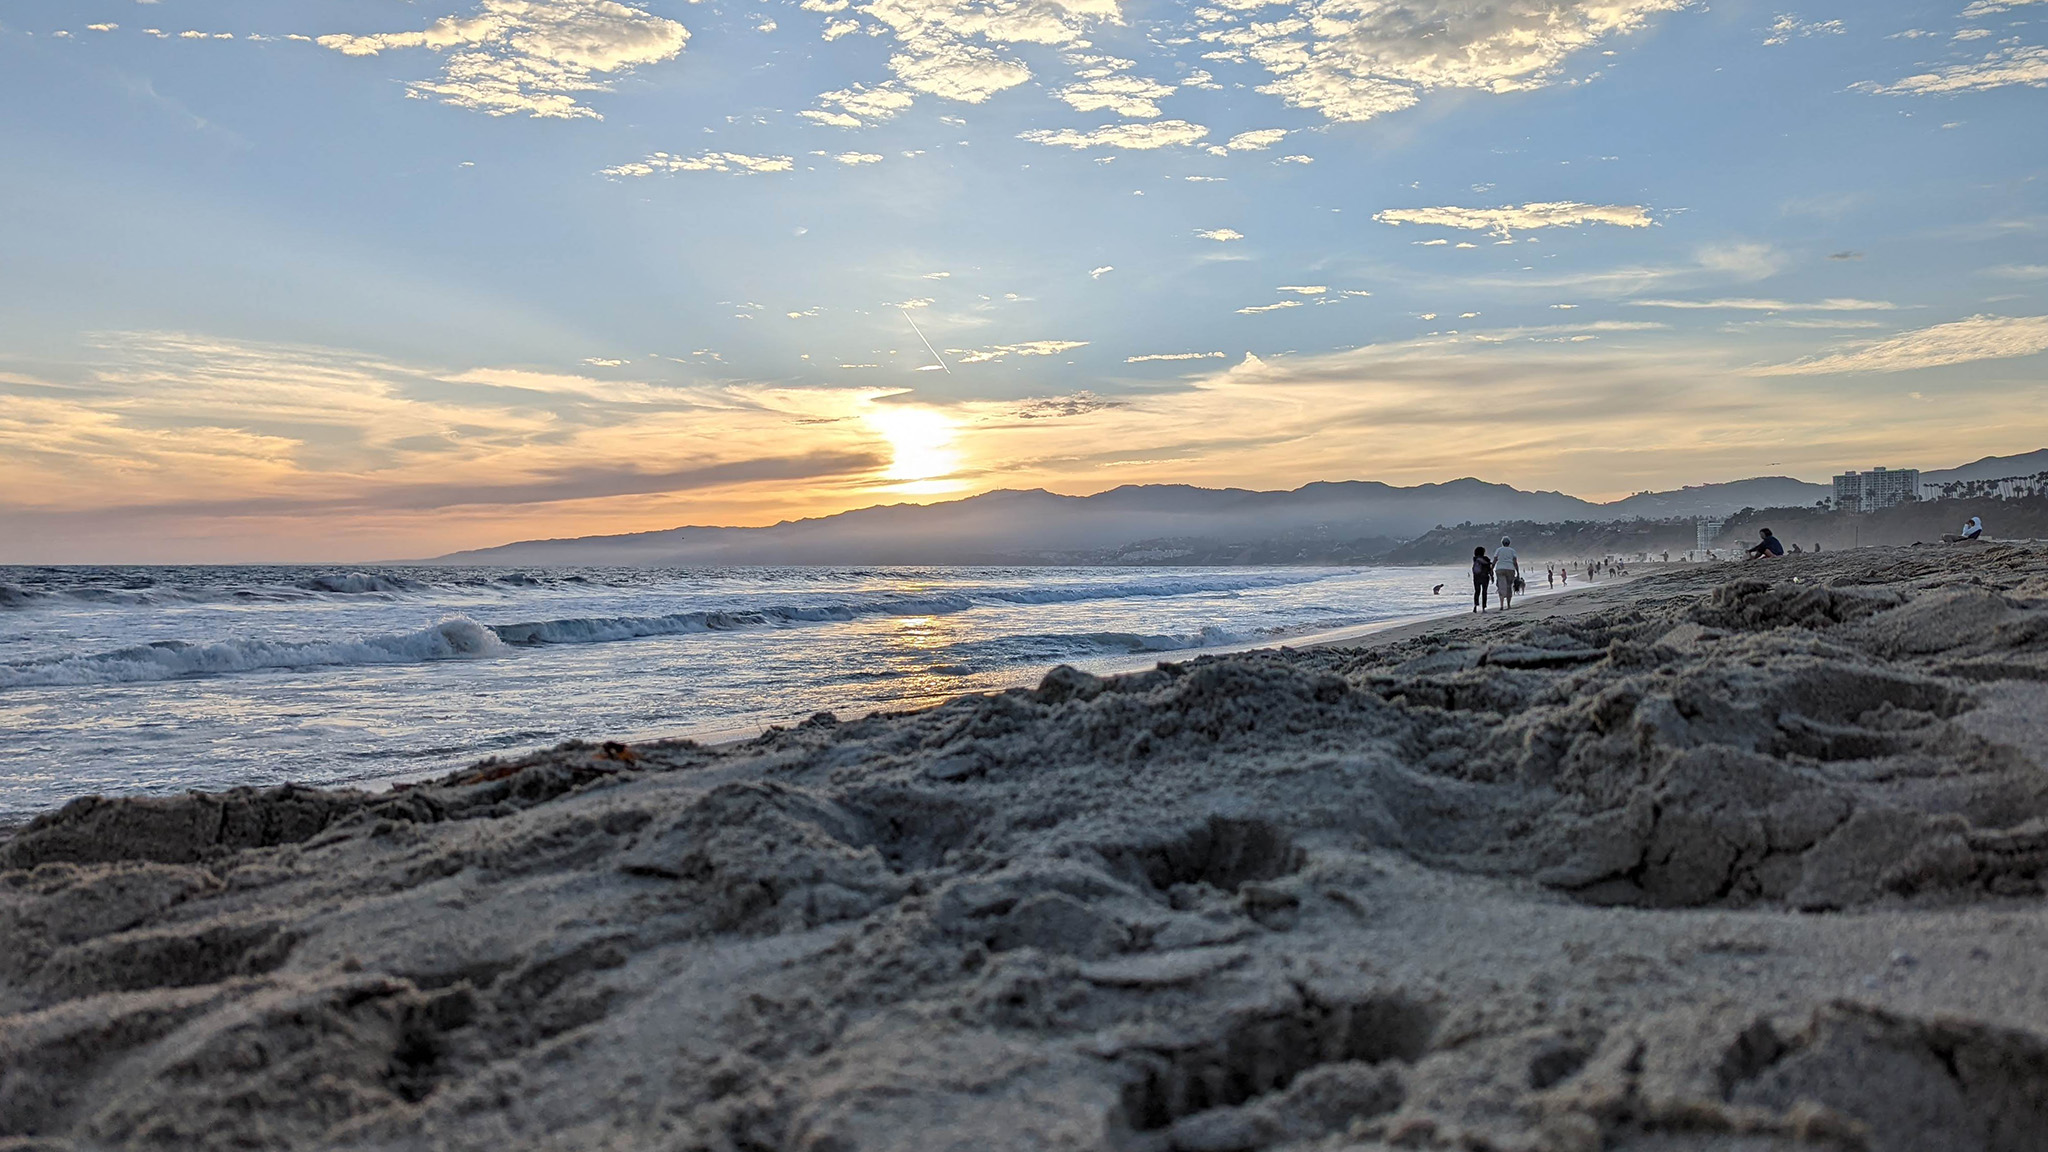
x=1506 y=566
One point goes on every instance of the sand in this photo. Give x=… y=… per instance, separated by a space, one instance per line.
x=1725 y=859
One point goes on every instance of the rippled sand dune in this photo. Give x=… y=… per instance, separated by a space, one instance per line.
x=1725 y=859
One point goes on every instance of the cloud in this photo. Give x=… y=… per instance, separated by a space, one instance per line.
x=1099 y=273
x=1592 y=418
x=1957 y=342
x=945 y=46
x=2019 y=271
x=858 y=105
x=1152 y=356
x=1711 y=266
x=1295 y=159
x=1058 y=407
x=729 y=162
x=1746 y=304
x=1508 y=220
x=854 y=159
x=1992 y=7
x=1028 y=348
x=1140 y=137
x=1257 y=140
x=2026 y=65
x=1255 y=309
x=175 y=427
x=1220 y=235
x=1132 y=96
x=1786 y=26
x=1304 y=289
x=1354 y=61
x=530 y=56
x=101 y=27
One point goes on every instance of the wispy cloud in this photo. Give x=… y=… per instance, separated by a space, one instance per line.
x=1508 y=220
x=530 y=56
x=1257 y=140
x=1957 y=342
x=858 y=105
x=1982 y=8
x=728 y=162
x=1133 y=96
x=2027 y=65
x=1750 y=304
x=1137 y=137
x=1152 y=356
x=854 y=159
x=1220 y=235
x=1027 y=348
x=1276 y=306
x=1787 y=26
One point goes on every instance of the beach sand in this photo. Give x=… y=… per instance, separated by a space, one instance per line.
x=1737 y=858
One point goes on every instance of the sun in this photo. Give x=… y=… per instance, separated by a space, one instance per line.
x=920 y=443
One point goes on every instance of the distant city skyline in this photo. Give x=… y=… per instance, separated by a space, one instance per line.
x=317 y=280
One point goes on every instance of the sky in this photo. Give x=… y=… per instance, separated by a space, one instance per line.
x=329 y=280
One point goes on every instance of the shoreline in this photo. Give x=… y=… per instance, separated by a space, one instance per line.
x=1727 y=861
x=721 y=736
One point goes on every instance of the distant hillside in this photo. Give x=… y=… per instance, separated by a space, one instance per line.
x=1720 y=499
x=1325 y=523
x=1991 y=468
x=1041 y=527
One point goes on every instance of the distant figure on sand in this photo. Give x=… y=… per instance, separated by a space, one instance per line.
x=1552 y=573
x=1437 y=591
x=1506 y=567
x=1482 y=578
x=1973 y=529
x=1767 y=546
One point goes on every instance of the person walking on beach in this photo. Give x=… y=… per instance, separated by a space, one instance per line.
x=1551 y=573
x=1482 y=578
x=1506 y=566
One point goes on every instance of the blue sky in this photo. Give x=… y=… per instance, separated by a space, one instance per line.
x=327 y=280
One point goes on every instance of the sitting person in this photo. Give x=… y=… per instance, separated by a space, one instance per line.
x=1769 y=545
x=1973 y=529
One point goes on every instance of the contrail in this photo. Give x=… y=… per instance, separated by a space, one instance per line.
x=927 y=342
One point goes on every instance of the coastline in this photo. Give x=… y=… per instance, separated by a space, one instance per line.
x=1730 y=860
x=723 y=736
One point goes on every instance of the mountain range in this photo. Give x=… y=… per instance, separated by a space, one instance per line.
x=1036 y=526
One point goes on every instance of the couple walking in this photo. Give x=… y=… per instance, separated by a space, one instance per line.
x=1496 y=573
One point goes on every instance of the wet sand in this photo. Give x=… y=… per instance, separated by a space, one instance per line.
x=1735 y=858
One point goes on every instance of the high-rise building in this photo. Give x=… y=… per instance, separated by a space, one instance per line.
x=1877 y=488
x=1705 y=532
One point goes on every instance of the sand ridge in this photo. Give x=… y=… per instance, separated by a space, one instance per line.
x=1732 y=858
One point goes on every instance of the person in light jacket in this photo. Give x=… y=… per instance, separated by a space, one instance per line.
x=1506 y=566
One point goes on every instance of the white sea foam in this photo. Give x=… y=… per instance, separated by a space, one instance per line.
x=452 y=639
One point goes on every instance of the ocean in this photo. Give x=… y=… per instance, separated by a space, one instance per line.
x=125 y=680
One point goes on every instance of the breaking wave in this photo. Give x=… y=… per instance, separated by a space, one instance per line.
x=454 y=639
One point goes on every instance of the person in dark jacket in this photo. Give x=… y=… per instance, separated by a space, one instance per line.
x=1482 y=579
x=1768 y=545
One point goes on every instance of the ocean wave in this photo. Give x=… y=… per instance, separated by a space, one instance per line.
x=1039 y=647
x=457 y=638
x=599 y=629
x=15 y=596
x=356 y=583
